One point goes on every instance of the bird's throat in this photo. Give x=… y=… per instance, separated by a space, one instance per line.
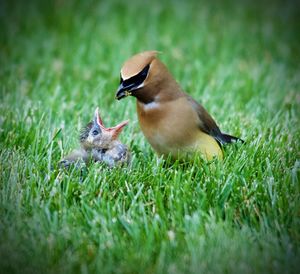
x=143 y=96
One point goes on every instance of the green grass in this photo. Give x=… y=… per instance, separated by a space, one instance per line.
x=60 y=60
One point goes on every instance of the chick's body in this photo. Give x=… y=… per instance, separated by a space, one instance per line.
x=99 y=144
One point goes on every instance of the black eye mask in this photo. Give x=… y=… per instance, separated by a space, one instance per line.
x=135 y=80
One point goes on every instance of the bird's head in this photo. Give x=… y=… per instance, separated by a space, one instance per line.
x=142 y=76
x=96 y=135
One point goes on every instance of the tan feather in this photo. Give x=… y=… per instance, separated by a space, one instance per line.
x=136 y=63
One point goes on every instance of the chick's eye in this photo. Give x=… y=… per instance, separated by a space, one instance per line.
x=95 y=132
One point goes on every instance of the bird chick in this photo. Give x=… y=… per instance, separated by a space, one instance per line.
x=99 y=144
x=171 y=120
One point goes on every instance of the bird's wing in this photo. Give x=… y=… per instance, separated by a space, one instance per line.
x=208 y=125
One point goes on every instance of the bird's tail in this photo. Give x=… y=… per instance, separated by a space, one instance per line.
x=227 y=139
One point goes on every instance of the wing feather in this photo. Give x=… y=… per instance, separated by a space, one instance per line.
x=209 y=126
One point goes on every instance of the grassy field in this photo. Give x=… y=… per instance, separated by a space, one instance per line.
x=60 y=60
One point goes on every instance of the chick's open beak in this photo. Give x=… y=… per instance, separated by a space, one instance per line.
x=122 y=92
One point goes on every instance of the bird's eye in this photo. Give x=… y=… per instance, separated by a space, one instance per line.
x=95 y=132
x=135 y=81
x=144 y=72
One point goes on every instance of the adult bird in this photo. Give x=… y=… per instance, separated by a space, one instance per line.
x=171 y=120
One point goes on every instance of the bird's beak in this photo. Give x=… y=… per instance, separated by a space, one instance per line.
x=122 y=92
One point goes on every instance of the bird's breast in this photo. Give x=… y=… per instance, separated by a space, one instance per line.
x=167 y=125
x=173 y=128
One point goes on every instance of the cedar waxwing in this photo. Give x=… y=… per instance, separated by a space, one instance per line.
x=172 y=121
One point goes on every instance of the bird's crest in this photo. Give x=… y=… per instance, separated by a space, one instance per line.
x=137 y=63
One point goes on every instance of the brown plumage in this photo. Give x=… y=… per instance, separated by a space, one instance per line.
x=172 y=121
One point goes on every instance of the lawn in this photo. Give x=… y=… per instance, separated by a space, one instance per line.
x=61 y=59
